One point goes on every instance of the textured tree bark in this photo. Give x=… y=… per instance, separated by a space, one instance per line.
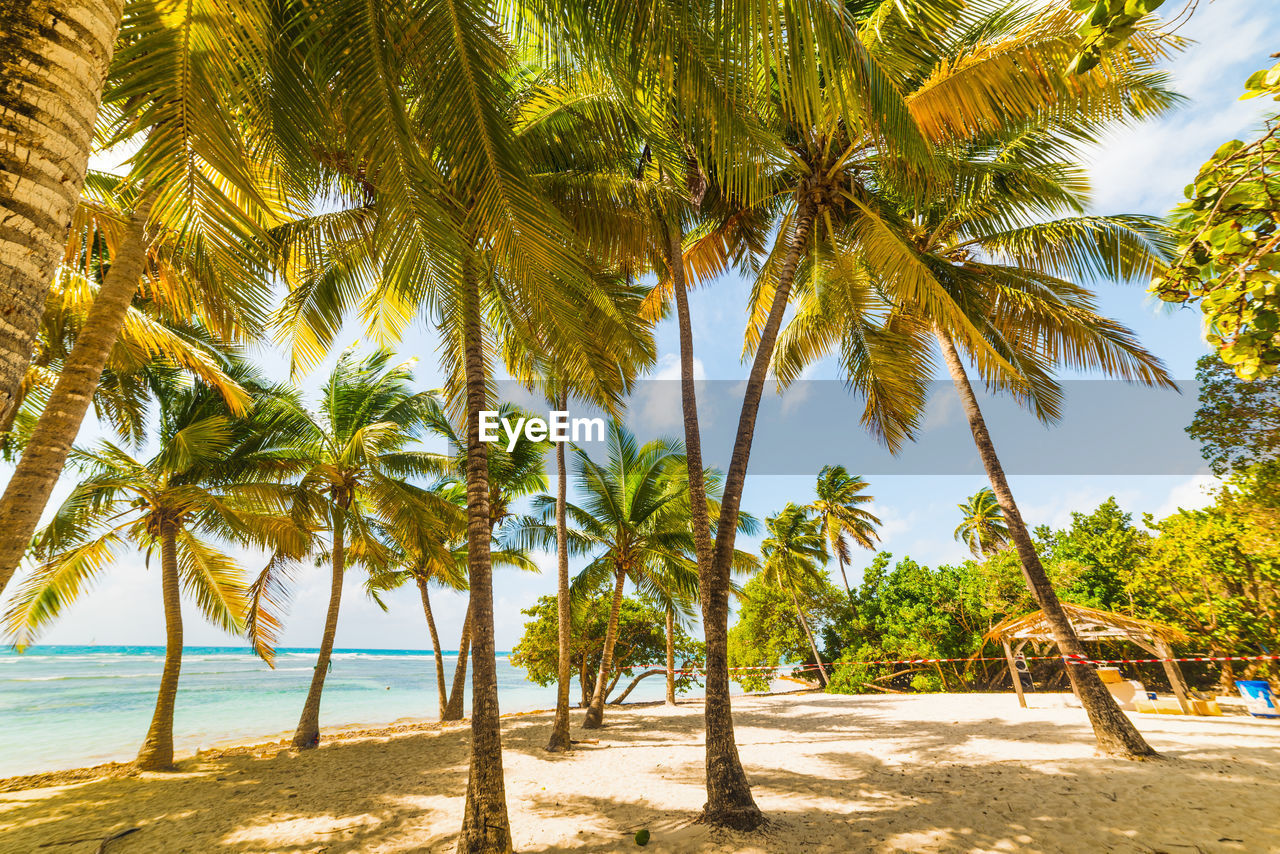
x=560 y=737
x=631 y=686
x=53 y=61
x=485 y=826
x=456 y=708
x=435 y=643
x=157 y=750
x=804 y=624
x=1115 y=733
x=729 y=801
x=595 y=711
x=308 y=732
x=41 y=464
x=671 y=657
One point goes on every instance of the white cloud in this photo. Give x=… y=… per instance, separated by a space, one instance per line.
x=1194 y=494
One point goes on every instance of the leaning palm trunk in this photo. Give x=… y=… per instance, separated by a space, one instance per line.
x=804 y=624
x=53 y=61
x=671 y=657
x=729 y=801
x=595 y=711
x=455 y=709
x=845 y=578
x=435 y=643
x=560 y=738
x=485 y=826
x=1115 y=733
x=157 y=751
x=46 y=452
x=308 y=733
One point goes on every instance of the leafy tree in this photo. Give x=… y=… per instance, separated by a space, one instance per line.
x=983 y=530
x=911 y=611
x=1238 y=421
x=840 y=518
x=1093 y=560
x=1106 y=24
x=1206 y=575
x=213 y=478
x=639 y=642
x=1228 y=253
x=766 y=632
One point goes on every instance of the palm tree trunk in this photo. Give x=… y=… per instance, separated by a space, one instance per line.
x=42 y=461
x=1114 y=732
x=595 y=711
x=671 y=657
x=729 y=802
x=804 y=624
x=560 y=738
x=435 y=643
x=308 y=733
x=485 y=826
x=157 y=750
x=733 y=806
x=845 y=578
x=456 y=708
x=53 y=61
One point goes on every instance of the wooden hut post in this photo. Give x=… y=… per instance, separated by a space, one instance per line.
x=1174 y=672
x=1013 y=672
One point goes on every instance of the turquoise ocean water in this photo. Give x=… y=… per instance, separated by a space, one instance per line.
x=69 y=706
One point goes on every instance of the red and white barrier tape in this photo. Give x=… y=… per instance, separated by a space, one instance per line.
x=1067 y=657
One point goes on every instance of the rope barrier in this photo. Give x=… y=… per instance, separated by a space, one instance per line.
x=1080 y=659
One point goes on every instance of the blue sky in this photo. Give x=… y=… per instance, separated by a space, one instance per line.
x=1135 y=170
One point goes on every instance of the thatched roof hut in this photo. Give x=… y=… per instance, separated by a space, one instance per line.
x=1091 y=624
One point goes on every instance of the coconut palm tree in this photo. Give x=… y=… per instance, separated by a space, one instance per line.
x=446 y=189
x=974 y=262
x=213 y=477
x=983 y=530
x=625 y=522
x=840 y=519
x=440 y=562
x=513 y=474
x=359 y=460
x=155 y=339
x=790 y=559
x=189 y=219
x=54 y=62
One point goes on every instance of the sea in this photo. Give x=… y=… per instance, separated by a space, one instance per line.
x=73 y=706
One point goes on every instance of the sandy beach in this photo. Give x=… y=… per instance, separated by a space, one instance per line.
x=925 y=773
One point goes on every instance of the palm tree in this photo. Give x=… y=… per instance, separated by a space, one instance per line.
x=840 y=519
x=513 y=474
x=213 y=477
x=201 y=190
x=156 y=339
x=974 y=264
x=790 y=558
x=625 y=521
x=54 y=62
x=451 y=212
x=442 y=561
x=356 y=485
x=983 y=530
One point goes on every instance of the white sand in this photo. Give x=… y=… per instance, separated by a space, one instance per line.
x=964 y=773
